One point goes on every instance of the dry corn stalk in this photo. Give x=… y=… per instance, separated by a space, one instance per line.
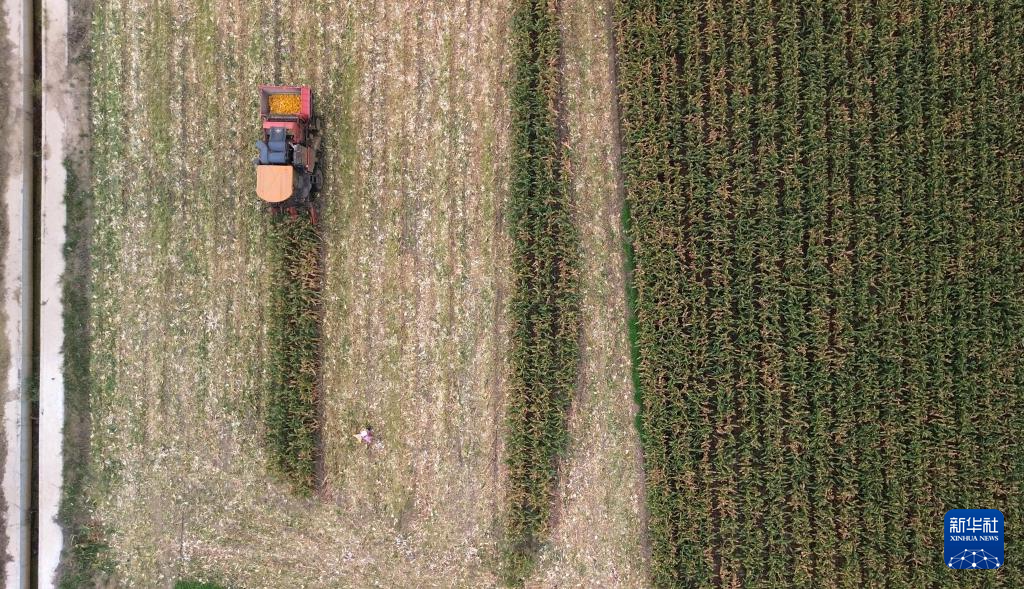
x=284 y=104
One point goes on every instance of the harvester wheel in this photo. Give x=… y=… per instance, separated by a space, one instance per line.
x=318 y=180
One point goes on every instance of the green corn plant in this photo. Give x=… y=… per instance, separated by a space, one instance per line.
x=294 y=335
x=544 y=307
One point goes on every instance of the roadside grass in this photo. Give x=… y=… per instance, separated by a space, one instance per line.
x=85 y=552
x=545 y=303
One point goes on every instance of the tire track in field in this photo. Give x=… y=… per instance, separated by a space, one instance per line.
x=620 y=204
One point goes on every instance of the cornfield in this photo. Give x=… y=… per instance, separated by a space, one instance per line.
x=825 y=219
x=826 y=207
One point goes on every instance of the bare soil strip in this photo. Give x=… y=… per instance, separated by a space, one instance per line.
x=416 y=271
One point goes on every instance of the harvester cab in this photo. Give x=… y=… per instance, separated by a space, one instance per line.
x=289 y=175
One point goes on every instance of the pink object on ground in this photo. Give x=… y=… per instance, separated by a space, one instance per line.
x=365 y=436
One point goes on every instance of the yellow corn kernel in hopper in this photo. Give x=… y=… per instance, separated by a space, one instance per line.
x=284 y=104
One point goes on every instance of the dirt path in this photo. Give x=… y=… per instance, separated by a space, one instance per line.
x=620 y=203
x=598 y=538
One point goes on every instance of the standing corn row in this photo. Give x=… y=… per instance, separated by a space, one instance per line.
x=544 y=309
x=294 y=332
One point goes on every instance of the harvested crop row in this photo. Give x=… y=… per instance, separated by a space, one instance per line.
x=544 y=308
x=294 y=335
x=826 y=225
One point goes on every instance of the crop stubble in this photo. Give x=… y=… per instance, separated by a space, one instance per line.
x=413 y=101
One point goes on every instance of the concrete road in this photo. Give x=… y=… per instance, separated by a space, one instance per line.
x=17 y=288
x=58 y=117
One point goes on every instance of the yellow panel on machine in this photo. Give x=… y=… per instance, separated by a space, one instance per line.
x=274 y=183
